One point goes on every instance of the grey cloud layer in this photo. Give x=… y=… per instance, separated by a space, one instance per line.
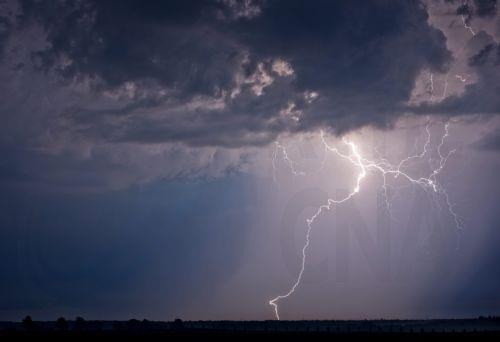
x=159 y=89
x=362 y=60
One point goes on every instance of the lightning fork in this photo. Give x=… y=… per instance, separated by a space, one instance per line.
x=385 y=169
x=290 y=162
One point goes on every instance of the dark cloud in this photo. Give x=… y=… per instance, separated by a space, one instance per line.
x=5 y=26
x=103 y=79
x=481 y=58
x=465 y=10
x=350 y=55
x=486 y=8
x=171 y=42
x=481 y=8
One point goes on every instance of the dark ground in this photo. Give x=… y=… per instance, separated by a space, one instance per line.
x=481 y=329
x=244 y=336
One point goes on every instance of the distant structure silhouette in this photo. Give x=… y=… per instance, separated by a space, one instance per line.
x=62 y=324
x=28 y=323
x=79 y=324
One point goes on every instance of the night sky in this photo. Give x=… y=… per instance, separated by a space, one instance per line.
x=159 y=159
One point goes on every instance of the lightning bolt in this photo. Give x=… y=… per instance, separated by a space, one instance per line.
x=286 y=158
x=382 y=166
x=467 y=26
x=385 y=169
x=445 y=88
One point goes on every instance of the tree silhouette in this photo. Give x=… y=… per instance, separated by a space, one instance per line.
x=28 y=323
x=79 y=323
x=62 y=324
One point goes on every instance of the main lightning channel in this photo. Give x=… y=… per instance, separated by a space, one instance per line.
x=429 y=183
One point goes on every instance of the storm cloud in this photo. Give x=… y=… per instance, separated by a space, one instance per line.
x=211 y=73
x=91 y=80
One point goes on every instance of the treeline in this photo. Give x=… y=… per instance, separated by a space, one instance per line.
x=80 y=324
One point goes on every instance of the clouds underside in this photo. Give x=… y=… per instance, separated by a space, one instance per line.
x=205 y=73
x=222 y=74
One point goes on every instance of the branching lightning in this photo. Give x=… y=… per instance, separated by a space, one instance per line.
x=290 y=162
x=385 y=169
